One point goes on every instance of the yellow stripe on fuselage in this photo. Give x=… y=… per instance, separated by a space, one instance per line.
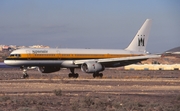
x=76 y=56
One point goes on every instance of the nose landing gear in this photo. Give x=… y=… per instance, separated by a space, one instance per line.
x=25 y=75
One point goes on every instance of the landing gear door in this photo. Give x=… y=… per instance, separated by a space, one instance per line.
x=28 y=54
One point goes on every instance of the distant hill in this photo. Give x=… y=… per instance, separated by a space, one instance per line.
x=173 y=52
x=164 y=60
x=176 y=49
x=171 y=56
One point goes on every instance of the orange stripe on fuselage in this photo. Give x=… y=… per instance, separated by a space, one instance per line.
x=76 y=56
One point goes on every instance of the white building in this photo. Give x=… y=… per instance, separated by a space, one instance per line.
x=153 y=67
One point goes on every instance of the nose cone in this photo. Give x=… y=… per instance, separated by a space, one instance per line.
x=6 y=62
x=10 y=62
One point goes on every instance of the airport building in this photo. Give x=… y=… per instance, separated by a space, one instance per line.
x=152 y=67
x=39 y=46
x=4 y=48
x=13 y=47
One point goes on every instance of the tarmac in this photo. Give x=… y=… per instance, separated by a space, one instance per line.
x=117 y=83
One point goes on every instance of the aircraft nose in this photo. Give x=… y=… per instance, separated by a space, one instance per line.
x=5 y=61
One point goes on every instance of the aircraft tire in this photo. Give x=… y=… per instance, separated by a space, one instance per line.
x=70 y=75
x=76 y=75
x=73 y=75
x=94 y=75
x=100 y=75
x=25 y=76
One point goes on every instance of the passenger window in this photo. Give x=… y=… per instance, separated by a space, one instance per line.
x=15 y=55
x=12 y=55
x=18 y=55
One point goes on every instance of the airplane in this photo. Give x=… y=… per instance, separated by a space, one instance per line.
x=89 y=60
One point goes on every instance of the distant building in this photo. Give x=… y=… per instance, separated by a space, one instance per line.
x=20 y=47
x=39 y=46
x=14 y=47
x=153 y=67
x=6 y=48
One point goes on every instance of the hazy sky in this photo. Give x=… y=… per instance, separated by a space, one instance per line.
x=89 y=23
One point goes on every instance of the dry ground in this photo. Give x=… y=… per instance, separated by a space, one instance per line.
x=118 y=90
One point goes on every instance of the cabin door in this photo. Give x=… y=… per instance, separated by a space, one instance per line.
x=28 y=54
x=58 y=55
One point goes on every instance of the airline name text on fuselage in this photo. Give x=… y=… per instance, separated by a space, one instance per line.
x=39 y=51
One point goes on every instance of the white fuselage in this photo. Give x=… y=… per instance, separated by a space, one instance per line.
x=62 y=57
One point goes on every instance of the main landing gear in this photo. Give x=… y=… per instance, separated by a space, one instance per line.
x=76 y=75
x=25 y=75
x=72 y=74
x=97 y=74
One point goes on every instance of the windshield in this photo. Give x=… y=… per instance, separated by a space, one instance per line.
x=15 y=55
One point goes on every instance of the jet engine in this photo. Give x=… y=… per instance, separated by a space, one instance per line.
x=48 y=69
x=92 y=67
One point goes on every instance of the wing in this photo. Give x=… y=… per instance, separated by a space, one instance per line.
x=116 y=62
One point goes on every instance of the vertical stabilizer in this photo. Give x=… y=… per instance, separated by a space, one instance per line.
x=139 y=42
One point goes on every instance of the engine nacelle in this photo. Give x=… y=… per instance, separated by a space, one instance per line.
x=48 y=69
x=92 y=67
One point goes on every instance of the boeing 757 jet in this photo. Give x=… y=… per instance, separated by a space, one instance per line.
x=89 y=60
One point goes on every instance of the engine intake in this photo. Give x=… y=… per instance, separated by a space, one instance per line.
x=92 y=67
x=48 y=69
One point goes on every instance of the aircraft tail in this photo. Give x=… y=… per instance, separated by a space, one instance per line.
x=139 y=42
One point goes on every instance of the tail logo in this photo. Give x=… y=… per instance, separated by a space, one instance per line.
x=140 y=41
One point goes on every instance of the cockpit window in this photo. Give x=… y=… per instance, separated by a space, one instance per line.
x=15 y=55
x=12 y=55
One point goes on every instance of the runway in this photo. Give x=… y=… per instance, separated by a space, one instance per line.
x=117 y=87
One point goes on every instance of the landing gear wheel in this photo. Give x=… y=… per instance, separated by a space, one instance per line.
x=25 y=75
x=70 y=75
x=94 y=75
x=76 y=75
x=73 y=75
x=100 y=75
